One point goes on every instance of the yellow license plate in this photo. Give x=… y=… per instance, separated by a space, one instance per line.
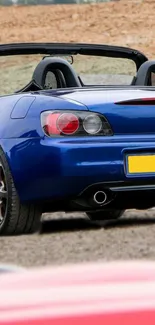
x=141 y=164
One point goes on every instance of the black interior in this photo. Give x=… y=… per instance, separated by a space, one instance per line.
x=55 y=73
x=62 y=74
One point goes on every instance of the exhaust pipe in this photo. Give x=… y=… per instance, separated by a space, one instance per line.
x=100 y=197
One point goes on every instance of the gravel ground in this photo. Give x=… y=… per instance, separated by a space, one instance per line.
x=72 y=238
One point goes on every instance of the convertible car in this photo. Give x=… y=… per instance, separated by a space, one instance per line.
x=77 y=132
x=115 y=293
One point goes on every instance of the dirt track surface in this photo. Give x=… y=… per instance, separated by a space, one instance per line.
x=73 y=238
x=68 y=238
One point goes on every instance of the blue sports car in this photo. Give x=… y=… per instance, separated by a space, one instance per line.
x=77 y=132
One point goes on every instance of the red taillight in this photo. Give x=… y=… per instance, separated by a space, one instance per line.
x=67 y=123
x=51 y=123
x=61 y=123
x=78 y=123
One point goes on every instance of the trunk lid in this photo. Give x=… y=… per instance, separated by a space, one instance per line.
x=124 y=118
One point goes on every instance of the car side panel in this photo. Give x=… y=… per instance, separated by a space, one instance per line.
x=133 y=317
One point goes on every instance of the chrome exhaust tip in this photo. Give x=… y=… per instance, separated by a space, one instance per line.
x=100 y=197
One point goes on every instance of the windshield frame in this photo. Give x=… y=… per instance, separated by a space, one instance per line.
x=73 y=49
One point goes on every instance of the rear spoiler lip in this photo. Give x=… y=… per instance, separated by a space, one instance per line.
x=137 y=101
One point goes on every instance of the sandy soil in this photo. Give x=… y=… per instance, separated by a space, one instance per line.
x=129 y=23
x=72 y=238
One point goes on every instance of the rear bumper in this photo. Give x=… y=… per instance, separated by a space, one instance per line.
x=61 y=168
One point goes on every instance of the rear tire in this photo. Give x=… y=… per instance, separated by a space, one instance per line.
x=104 y=215
x=15 y=218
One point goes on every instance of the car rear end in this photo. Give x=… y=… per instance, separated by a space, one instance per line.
x=109 y=150
x=89 y=148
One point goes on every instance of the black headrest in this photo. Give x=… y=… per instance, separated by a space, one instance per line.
x=49 y=64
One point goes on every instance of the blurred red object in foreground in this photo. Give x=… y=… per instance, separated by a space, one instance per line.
x=115 y=293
